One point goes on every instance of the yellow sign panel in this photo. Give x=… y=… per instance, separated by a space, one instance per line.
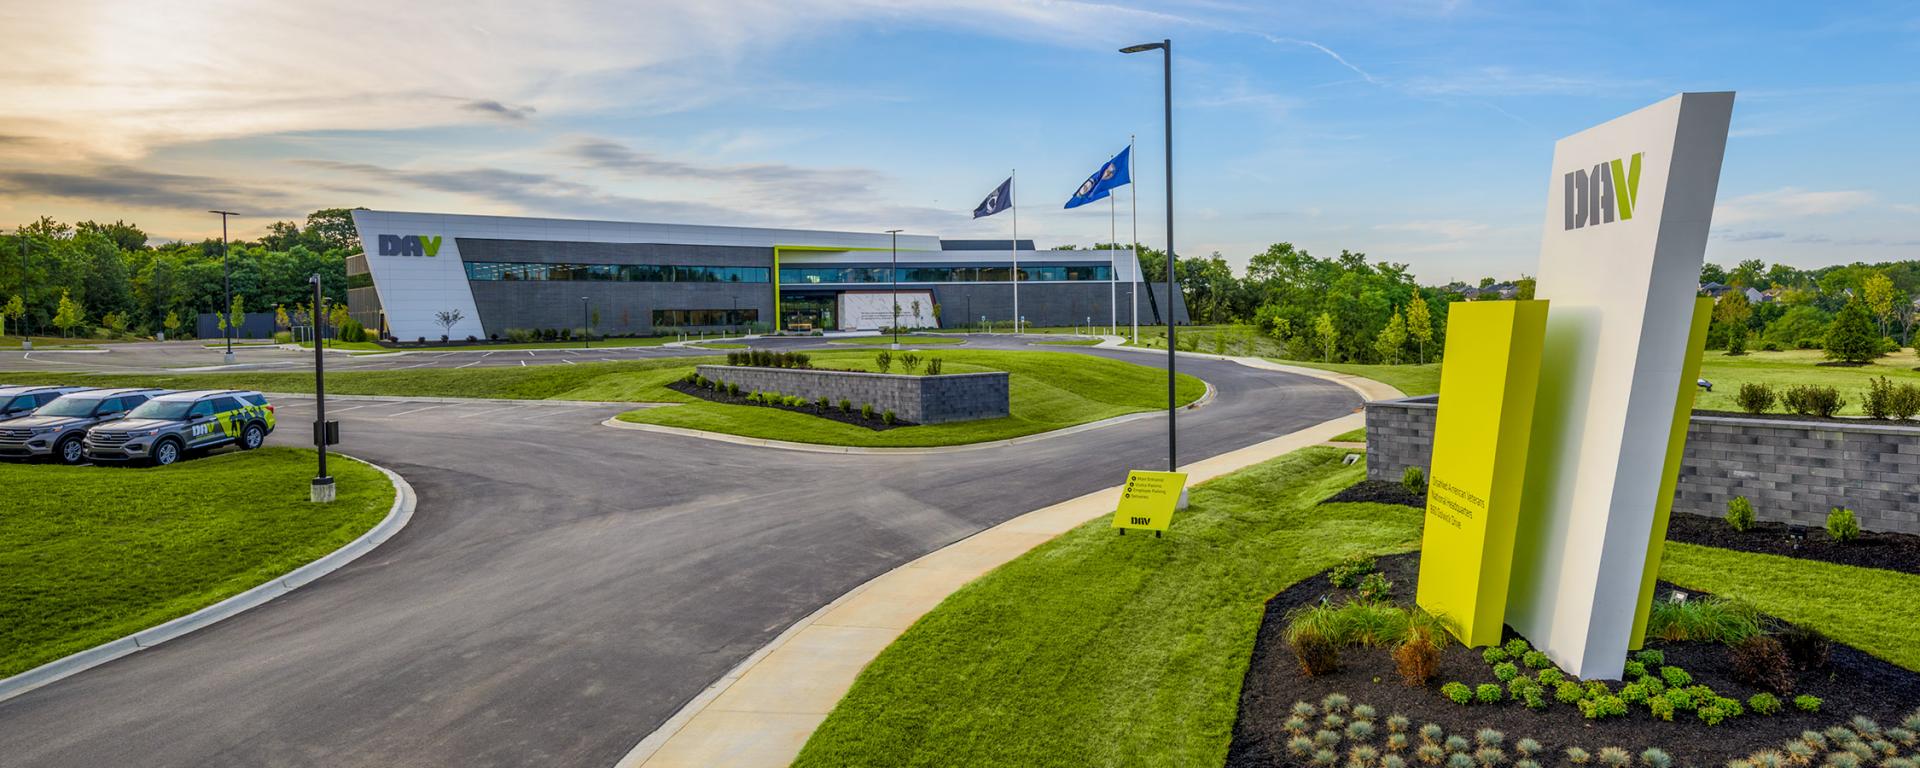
x=1148 y=500
x=1487 y=384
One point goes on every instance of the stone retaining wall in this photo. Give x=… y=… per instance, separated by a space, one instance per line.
x=918 y=399
x=1792 y=470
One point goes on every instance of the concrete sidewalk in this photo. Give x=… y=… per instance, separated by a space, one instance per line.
x=762 y=712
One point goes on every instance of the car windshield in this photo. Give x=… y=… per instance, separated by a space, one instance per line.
x=69 y=406
x=161 y=409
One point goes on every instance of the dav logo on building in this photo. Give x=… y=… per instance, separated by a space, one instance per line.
x=1596 y=196
x=418 y=245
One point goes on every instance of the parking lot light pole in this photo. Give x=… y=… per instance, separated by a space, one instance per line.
x=586 y=328
x=322 y=490
x=227 y=268
x=896 y=287
x=1165 y=47
x=26 y=327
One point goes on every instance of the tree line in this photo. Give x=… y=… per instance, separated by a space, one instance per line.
x=92 y=278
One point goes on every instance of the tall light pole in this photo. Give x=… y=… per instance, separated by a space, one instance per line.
x=1165 y=47
x=322 y=489
x=896 y=287
x=586 y=326
x=26 y=320
x=228 y=269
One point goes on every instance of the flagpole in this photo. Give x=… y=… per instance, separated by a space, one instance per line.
x=1134 y=247
x=1113 y=255
x=1014 y=247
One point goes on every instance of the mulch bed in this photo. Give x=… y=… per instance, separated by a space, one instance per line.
x=1891 y=551
x=1379 y=492
x=1853 y=684
x=831 y=412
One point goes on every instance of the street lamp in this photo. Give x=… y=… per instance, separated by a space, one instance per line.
x=228 y=269
x=1165 y=47
x=322 y=491
x=26 y=320
x=586 y=327
x=896 y=287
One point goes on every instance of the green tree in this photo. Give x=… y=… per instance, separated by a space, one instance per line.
x=333 y=227
x=1732 y=311
x=1391 y=340
x=70 y=315
x=1750 y=274
x=171 y=323
x=1420 y=325
x=1851 y=338
x=236 y=314
x=14 y=309
x=280 y=320
x=1880 y=294
x=1324 y=330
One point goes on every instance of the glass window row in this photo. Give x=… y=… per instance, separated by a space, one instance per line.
x=682 y=318
x=621 y=273
x=818 y=275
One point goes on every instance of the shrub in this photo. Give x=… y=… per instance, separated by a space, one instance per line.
x=1852 y=338
x=1762 y=662
x=1429 y=754
x=1457 y=692
x=1808 y=648
x=820 y=404
x=846 y=405
x=1360 y=730
x=1457 y=759
x=733 y=388
x=1414 y=480
x=1374 y=586
x=933 y=366
x=1715 y=712
x=1364 y=712
x=866 y=411
x=1614 y=757
x=1527 y=747
x=1595 y=689
x=1709 y=618
x=1633 y=693
x=1764 y=703
x=1740 y=514
x=1578 y=756
x=1348 y=572
x=1318 y=655
x=1299 y=746
x=1635 y=670
x=1432 y=734
x=1493 y=654
x=1552 y=676
x=1680 y=698
x=1651 y=657
x=1456 y=744
x=1905 y=403
x=1842 y=526
x=1653 y=757
x=1516 y=648
x=1505 y=671
x=1323 y=758
x=1488 y=757
x=1416 y=660
x=1806 y=703
x=1661 y=708
x=1487 y=693
x=1536 y=660
x=909 y=362
x=1568 y=692
x=887 y=417
x=1813 y=400
x=1397 y=742
x=1398 y=723
x=1879 y=400
x=883 y=361
x=1756 y=398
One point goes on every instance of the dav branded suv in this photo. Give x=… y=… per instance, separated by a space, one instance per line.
x=58 y=427
x=165 y=428
x=21 y=402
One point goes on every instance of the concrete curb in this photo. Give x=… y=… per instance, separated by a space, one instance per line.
x=787 y=445
x=831 y=653
x=397 y=518
x=1367 y=388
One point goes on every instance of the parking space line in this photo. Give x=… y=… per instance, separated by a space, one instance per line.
x=476 y=362
x=486 y=354
x=523 y=363
x=483 y=412
x=416 y=410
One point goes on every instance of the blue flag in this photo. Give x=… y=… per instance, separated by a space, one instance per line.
x=1000 y=200
x=1117 y=172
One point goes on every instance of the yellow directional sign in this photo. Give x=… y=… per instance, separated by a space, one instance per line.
x=1148 y=500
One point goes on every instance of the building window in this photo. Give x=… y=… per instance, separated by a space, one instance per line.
x=616 y=273
x=711 y=318
x=940 y=274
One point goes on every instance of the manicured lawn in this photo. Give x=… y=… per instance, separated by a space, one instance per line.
x=351 y=346
x=1874 y=610
x=870 y=341
x=721 y=345
x=92 y=554
x=1355 y=436
x=626 y=382
x=1784 y=369
x=1069 y=343
x=1049 y=390
x=368 y=346
x=1099 y=649
x=1412 y=379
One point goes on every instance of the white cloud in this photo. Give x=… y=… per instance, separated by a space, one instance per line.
x=1788 y=203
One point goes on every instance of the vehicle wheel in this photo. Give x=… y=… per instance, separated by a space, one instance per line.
x=166 y=452
x=252 y=437
x=69 y=451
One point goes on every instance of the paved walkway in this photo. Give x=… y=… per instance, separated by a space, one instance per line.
x=762 y=712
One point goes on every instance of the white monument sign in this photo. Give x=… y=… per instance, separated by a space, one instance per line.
x=1628 y=211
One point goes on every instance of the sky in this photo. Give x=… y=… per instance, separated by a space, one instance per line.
x=1418 y=132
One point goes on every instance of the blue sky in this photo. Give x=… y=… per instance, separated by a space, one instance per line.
x=1417 y=132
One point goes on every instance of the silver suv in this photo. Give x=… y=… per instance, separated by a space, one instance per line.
x=21 y=402
x=58 y=427
x=164 y=429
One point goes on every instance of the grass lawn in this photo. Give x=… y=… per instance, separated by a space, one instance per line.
x=350 y=346
x=1069 y=343
x=1874 y=610
x=1050 y=390
x=1788 y=368
x=881 y=341
x=1355 y=436
x=638 y=381
x=1099 y=649
x=53 y=342
x=92 y=554
x=1412 y=379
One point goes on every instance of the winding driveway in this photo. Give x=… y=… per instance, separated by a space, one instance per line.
x=565 y=587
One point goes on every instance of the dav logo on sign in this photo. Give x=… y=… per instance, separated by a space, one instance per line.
x=1595 y=196
x=415 y=245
